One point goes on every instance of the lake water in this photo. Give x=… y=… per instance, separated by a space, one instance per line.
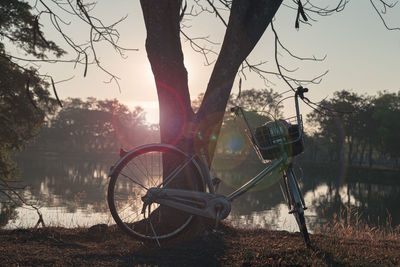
x=72 y=192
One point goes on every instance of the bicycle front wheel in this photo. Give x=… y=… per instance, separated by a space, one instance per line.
x=296 y=203
x=157 y=165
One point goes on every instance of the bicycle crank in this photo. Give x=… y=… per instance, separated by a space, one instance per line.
x=208 y=205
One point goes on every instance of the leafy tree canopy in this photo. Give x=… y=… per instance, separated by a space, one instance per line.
x=24 y=96
x=94 y=126
x=366 y=127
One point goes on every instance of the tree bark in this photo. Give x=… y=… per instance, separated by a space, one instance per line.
x=247 y=22
x=164 y=51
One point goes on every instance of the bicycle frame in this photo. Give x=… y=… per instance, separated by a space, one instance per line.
x=203 y=203
x=194 y=202
x=272 y=165
x=255 y=180
x=202 y=200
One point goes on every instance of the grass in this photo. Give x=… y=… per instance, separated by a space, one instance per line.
x=347 y=224
x=345 y=241
x=344 y=245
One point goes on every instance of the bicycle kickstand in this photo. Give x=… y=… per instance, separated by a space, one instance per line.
x=217 y=232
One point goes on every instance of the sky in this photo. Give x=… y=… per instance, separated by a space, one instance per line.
x=361 y=55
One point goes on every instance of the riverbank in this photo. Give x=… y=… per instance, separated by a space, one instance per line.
x=107 y=246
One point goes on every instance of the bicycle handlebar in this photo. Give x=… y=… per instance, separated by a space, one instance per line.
x=298 y=93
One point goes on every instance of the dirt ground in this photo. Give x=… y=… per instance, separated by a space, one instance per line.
x=107 y=246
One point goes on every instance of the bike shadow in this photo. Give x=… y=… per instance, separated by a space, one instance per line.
x=205 y=248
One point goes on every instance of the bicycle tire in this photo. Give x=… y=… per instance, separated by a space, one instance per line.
x=141 y=169
x=298 y=210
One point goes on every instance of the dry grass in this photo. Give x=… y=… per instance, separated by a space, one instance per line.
x=348 y=224
x=107 y=246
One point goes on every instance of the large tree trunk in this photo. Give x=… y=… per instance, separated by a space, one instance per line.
x=247 y=22
x=164 y=51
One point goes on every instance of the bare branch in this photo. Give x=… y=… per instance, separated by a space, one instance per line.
x=257 y=68
x=12 y=194
x=385 y=6
x=298 y=57
x=30 y=71
x=201 y=49
x=217 y=13
x=85 y=53
x=298 y=82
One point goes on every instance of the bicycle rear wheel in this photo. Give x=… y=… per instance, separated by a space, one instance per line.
x=295 y=202
x=150 y=166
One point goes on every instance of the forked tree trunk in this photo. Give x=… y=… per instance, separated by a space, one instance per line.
x=163 y=46
x=247 y=22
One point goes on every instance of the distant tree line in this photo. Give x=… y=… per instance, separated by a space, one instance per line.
x=94 y=126
x=360 y=129
x=103 y=126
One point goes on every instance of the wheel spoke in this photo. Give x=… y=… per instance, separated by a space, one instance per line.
x=125 y=208
x=134 y=176
x=151 y=169
x=126 y=176
x=152 y=228
x=134 y=219
x=175 y=172
x=136 y=167
x=145 y=167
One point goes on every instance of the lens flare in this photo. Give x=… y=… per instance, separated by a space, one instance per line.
x=232 y=150
x=183 y=109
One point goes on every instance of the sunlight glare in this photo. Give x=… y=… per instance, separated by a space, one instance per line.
x=150 y=108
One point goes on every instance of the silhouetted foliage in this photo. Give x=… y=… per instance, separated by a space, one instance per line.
x=24 y=97
x=364 y=128
x=20 y=118
x=20 y=27
x=94 y=126
x=260 y=107
x=263 y=100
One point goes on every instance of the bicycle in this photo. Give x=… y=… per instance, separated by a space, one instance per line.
x=151 y=181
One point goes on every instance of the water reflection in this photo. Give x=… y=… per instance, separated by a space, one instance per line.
x=326 y=194
x=72 y=192
x=63 y=188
